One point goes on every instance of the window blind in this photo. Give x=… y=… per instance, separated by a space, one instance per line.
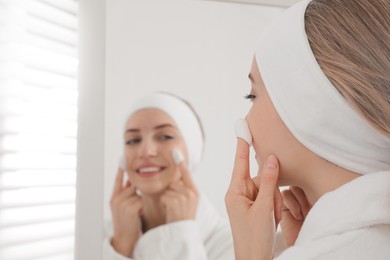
x=38 y=128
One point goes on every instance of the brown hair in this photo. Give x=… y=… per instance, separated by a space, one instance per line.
x=351 y=42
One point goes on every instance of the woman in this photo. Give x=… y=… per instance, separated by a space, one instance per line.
x=320 y=122
x=159 y=213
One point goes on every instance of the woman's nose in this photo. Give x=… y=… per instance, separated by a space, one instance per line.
x=148 y=148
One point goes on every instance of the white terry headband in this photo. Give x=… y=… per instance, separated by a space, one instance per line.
x=184 y=118
x=310 y=106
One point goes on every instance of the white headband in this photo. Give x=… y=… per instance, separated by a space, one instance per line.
x=310 y=106
x=184 y=118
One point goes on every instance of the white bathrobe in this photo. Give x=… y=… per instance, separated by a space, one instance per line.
x=206 y=237
x=351 y=222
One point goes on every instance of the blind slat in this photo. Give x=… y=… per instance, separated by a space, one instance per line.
x=50 y=44
x=41 y=78
x=38 y=249
x=67 y=5
x=36 y=214
x=27 y=55
x=19 y=107
x=37 y=160
x=27 y=92
x=59 y=256
x=36 y=196
x=50 y=30
x=35 y=232
x=41 y=178
x=15 y=71
x=52 y=14
x=47 y=60
x=41 y=143
x=39 y=125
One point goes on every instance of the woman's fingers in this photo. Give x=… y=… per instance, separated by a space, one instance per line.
x=125 y=194
x=186 y=178
x=128 y=192
x=177 y=185
x=241 y=163
x=133 y=204
x=300 y=196
x=268 y=183
x=292 y=204
x=173 y=196
x=118 y=182
x=180 y=203
x=277 y=197
x=180 y=191
x=256 y=181
x=128 y=184
x=278 y=204
x=290 y=227
x=296 y=208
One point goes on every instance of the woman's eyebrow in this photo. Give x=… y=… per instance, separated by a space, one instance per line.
x=136 y=130
x=132 y=130
x=163 y=126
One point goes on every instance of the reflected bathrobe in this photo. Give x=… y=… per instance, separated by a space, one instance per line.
x=351 y=222
x=206 y=237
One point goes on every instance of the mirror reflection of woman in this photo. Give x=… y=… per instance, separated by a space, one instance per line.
x=159 y=212
x=320 y=122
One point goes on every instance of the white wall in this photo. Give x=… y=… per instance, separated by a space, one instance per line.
x=201 y=51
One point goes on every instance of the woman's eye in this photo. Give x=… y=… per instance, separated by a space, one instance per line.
x=250 y=97
x=166 y=137
x=133 y=141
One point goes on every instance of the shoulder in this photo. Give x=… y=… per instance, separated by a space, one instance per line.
x=368 y=243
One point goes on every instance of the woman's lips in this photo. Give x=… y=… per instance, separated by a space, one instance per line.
x=149 y=171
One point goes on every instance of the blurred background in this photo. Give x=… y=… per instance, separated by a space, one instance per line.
x=70 y=70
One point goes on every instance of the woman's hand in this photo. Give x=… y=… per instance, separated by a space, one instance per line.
x=126 y=207
x=254 y=209
x=181 y=198
x=294 y=211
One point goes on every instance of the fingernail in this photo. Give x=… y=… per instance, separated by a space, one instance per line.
x=271 y=162
x=177 y=156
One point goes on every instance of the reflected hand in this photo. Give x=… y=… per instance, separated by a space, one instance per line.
x=294 y=211
x=126 y=207
x=254 y=206
x=181 y=198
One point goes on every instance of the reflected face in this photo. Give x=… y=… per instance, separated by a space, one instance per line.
x=149 y=139
x=270 y=135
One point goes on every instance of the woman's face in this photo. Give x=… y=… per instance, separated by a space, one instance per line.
x=270 y=135
x=149 y=139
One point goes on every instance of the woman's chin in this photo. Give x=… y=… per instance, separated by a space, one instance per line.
x=152 y=189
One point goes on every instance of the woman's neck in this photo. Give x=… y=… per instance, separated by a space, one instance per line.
x=153 y=212
x=321 y=178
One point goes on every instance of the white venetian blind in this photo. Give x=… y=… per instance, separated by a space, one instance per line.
x=38 y=128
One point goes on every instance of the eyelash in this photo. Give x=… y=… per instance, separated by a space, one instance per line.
x=138 y=140
x=133 y=141
x=250 y=97
x=166 y=137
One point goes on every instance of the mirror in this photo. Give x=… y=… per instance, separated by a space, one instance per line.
x=198 y=50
